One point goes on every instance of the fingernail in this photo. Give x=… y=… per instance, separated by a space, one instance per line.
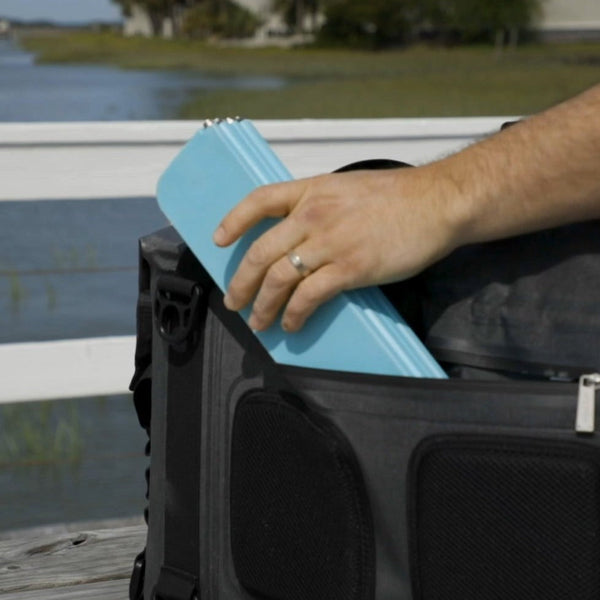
x=219 y=236
x=288 y=326
x=254 y=323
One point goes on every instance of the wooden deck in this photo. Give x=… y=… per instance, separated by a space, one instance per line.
x=70 y=563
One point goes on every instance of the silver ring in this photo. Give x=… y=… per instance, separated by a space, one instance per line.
x=298 y=264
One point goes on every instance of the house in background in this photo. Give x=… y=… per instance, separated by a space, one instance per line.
x=138 y=23
x=272 y=23
x=273 y=26
x=570 y=20
x=4 y=28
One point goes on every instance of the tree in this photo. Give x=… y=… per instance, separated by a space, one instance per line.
x=292 y=12
x=300 y=16
x=125 y=5
x=478 y=20
x=219 y=18
x=157 y=10
x=368 y=23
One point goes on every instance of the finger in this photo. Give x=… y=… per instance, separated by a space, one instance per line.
x=275 y=200
x=311 y=292
x=264 y=252
x=278 y=284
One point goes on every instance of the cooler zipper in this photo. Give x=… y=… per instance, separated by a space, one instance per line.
x=588 y=386
x=586 y=403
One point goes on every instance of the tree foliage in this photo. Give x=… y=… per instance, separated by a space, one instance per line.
x=379 y=23
x=157 y=10
x=219 y=18
x=477 y=20
x=299 y=15
x=367 y=23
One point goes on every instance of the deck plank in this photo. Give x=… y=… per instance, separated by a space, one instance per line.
x=84 y=564
x=107 y=590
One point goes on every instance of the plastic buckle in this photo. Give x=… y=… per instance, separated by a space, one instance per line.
x=176 y=307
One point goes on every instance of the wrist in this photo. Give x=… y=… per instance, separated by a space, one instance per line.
x=477 y=192
x=451 y=199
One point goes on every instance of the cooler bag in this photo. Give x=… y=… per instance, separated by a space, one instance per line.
x=271 y=482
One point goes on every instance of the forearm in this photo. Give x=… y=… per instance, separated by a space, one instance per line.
x=540 y=173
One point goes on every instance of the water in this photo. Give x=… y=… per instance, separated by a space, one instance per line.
x=78 y=460
x=68 y=269
x=31 y=92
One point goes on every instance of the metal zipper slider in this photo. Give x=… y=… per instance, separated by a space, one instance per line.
x=586 y=403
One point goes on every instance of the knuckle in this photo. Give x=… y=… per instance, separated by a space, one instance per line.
x=304 y=298
x=352 y=266
x=277 y=276
x=310 y=212
x=261 y=197
x=256 y=255
x=293 y=313
x=259 y=309
x=257 y=195
x=239 y=293
x=234 y=299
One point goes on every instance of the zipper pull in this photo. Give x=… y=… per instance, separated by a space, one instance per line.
x=586 y=403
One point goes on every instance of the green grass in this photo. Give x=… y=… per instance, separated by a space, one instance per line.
x=415 y=82
x=40 y=432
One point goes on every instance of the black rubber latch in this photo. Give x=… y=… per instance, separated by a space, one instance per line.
x=176 y=304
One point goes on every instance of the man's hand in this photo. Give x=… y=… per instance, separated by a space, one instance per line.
x=349 y=229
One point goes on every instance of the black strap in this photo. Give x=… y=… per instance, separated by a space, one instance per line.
x=141 y=386
x=143 y=344
x=174 y=584
x=179 y=575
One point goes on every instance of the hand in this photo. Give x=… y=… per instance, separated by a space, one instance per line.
x=349 y=229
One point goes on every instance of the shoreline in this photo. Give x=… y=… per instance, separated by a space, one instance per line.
x=417 y=81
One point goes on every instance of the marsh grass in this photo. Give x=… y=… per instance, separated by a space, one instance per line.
x=72 y=257
x=336 y=83
x=63 y=260
x=51 y=295
x=40 y=432
x=17 y=292
x=420 y=82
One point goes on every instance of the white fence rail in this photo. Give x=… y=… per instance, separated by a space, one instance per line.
x=50 y=161
x=66 y=368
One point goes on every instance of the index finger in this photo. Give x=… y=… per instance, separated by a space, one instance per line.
x=274 y=200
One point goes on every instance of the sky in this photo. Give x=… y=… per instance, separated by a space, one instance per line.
x=61 y=11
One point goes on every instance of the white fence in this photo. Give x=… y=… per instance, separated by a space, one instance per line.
x=51 y=161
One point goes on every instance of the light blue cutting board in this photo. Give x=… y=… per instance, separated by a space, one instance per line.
x=356 y=331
